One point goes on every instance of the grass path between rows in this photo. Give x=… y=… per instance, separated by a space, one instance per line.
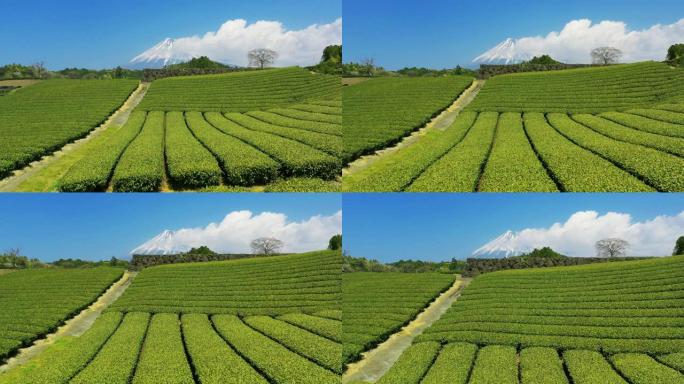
x=441 y=122
x=42 y=175
x=376 y=362
x=75 y=326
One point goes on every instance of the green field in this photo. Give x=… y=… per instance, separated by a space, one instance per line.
x=241 y=129
x=603 y=323
x=39 y=119
x=376 y=305
x=35 y=302
x=380 y=112
x=259 y=320
x=617 y=128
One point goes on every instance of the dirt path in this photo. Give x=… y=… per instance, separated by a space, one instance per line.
x=441 y=122
x=119 y=118
x=76 y=326
x=377 y=362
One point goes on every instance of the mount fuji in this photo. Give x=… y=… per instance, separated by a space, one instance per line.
x=501 y=247
x=159 y=245
x=504 y=53
x=158 y=56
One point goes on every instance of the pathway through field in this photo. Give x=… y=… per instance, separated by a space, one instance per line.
x=377 y=362
x=441 y=122
x=43 y=173
x=75 y=326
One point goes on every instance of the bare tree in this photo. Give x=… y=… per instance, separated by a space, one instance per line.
x=612 y=247
x=368 y=66
x=38 y=70
x=266 y=246
x=262 y=57
x=606 y=55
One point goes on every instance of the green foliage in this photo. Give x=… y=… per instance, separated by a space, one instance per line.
x=117 y=359
x=512 y=165
x=675 y=53
x=590 y=367
x=394 y=172
x=203 y=250
x=317 y=324
x=241 y=163
x=214 y=361
x=495 y=364
x=162 y=357
x=141 y=167
x=201 y=62
x=412 y=365
x=640 y=368
x=297 y=159
x=40 y=119
x=645 y=124
x=679 y=247
x=606 y=306
x=12 y=259
x=543 y=60
x=380 y=112
x=576 y=169
x=67 y=357
x=335 y=243
x=376 y=305
x=189 y=163
x=459 y=170
x=249 y=286
x=541 y=366
x=427 y=72
x=277 y=362
x=302 y=184
x=239 y=91
x=658 y=169
x=452 y=365
x=585 y=90
x=35 y=302
x=78 y=263
x=325 y=352
x=332 y=53
x=94 y=171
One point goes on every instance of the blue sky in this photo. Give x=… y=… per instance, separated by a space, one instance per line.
x=98 y=226
x=104 y=34
x=389 y=227
x=445 y=33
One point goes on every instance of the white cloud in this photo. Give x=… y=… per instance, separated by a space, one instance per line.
x=577 y=235
x=234 y=233
x=575 y=41
x=231 y=42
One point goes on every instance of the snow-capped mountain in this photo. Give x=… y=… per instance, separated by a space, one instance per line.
x=501 y=247
x=504 y=53
x=161 y=244
x=158 y=56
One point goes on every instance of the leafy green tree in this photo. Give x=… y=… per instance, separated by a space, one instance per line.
x=332 y=54
x=203 y=250
x=675 y=52
x=679 y=247
x=335 y=243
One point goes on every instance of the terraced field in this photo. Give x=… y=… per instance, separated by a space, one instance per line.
x=376 y=305
x=380 y=112
x=41 y=118
x=264 y=320
x=618 y=128
x=35 y=302
x=279 y=128
x=603 y=323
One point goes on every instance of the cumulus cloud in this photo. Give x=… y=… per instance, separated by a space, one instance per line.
x=575 y=41
x=234 y=233
x=577 y=235
x=231 y=42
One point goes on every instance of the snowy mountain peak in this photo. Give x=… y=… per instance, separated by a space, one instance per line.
x=503 y=53
x=160 y=55
x=501 y=247
x=162 y=244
